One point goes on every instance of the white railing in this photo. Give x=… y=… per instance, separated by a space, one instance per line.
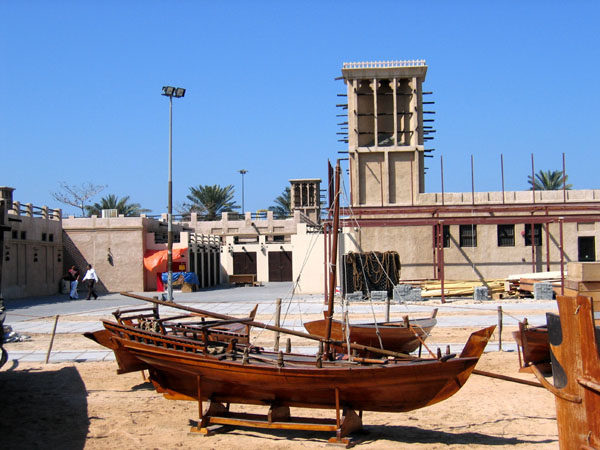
x=385 y=64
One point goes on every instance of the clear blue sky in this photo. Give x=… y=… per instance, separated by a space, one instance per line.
x=81 y=84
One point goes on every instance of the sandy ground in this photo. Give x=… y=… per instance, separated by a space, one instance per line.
x=87 y=405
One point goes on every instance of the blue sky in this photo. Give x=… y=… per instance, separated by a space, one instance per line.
x=81 y=85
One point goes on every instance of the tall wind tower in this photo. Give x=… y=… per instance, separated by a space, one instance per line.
x=386 y=131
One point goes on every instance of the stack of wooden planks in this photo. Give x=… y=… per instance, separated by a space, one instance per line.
x=584 y=279
x=433 y=288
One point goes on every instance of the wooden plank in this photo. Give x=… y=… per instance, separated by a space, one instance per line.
x=234 y=421
x=583 y=271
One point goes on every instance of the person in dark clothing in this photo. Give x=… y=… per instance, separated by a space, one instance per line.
x=92 y=279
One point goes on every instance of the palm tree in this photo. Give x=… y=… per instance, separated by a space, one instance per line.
x=210 y=201
x=283 y=205
x=549 y=180
x=121 y=205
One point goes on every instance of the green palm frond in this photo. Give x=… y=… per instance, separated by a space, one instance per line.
x=210 y=201
x=548 y=180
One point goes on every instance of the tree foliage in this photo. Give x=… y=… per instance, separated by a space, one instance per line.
x=548 y=180
x=283 y=205
x=122 y=206
x=210 y=201
x=76 y=195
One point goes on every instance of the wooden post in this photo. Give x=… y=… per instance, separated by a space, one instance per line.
x=499 y=328
x=387 y=308
x=277 y=324
x=52 y=338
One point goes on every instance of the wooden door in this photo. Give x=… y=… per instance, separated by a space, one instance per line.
x=280 y=266
x=244 y=263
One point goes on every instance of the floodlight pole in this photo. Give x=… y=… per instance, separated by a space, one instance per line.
x=170 y=208
x=170 y=92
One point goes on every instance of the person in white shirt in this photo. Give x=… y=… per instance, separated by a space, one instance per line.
x=91 y=278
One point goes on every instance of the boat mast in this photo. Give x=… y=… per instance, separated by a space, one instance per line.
x=333 y=257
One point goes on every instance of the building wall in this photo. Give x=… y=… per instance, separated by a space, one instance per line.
x=113 y=246
x=415 y=243
x=32 y=252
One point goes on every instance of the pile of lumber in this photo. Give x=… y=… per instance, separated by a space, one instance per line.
x=522 y=284
x=433 y=288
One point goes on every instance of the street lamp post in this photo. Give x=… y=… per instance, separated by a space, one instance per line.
x=170 y=92
x=243 y=172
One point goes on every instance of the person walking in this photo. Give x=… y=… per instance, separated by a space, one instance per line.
x=73 y=275
x=92 y=279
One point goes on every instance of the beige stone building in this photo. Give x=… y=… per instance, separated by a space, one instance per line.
x=464 y=236
x=32 y=248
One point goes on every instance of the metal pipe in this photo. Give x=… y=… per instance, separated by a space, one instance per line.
x=442 y=172
x=472 y=182
x=562 y=257
x=502 y=172
x=441 y=244
x=325 y=259
x=547 y=226
x=564 y=179
x=533 y=178
x=531 y=234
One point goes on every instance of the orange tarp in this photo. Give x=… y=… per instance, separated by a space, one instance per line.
x=157 y=259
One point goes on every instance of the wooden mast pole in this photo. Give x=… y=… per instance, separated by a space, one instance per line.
x=333 y=257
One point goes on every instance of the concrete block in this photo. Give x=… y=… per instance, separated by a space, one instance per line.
x=480 y=293
x=379 y=296
x=354 y=297
x=543 y=291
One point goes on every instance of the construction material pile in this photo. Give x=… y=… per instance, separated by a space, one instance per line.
x=433 y=288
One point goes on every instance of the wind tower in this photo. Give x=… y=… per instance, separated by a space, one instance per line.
x=305 y=196
x=386 y=131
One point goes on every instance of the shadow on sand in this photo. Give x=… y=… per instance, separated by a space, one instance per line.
x=42 y=409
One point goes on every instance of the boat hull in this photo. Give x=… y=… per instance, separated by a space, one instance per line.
x=395 y=336
x=182 y=370
x=534 y=347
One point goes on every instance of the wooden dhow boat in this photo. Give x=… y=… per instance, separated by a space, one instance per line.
x=403 y=336
x=533 y=347
x=193 y=363
x=187 y=364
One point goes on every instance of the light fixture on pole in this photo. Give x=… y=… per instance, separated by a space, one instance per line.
x=169 y=91
x=243 y=172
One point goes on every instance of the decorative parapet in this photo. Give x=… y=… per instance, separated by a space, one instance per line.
x=30 y=210
x=385 y=64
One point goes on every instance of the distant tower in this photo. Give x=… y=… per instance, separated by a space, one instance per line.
x=305 y=196
x=385 y=131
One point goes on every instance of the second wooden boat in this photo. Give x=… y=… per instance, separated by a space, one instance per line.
x=399 y=336
x=533 y=347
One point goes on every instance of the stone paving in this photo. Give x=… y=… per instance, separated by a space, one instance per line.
x=36 y=315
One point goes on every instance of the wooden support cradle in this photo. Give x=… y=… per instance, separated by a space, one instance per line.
x=216 y=417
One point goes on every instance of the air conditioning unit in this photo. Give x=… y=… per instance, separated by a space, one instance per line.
x=108 y=213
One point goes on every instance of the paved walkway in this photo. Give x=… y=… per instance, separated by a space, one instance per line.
x=36 y=314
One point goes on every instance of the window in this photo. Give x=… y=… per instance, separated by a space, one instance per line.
x=445 y=236
x=537 y=234
x=23 y=235
x=586 y=248
x=51 y=237
x=468 y=235
x=44 y=237
x=506 y=235
x=15 y=234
